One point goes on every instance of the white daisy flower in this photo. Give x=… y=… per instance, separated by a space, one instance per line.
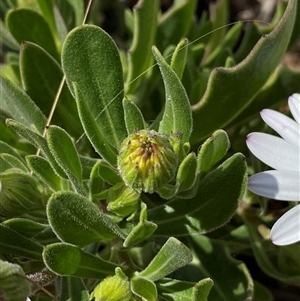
x=282 y=154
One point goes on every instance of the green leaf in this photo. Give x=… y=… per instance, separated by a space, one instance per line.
x=212 y=151
x=272 y=259
x=47 y=10
x=72 y=288
x=14 y=285
x=66 y=155
x=282 y=84
x=142 y=231
x=69 y=260
x=90 y=59
x=139 y=55
x=21 y=107
x=109 y=174
x=134 y=119
x=43 y=170
x=27 y=25
x=24 y=226
x=38 y=141
x=201 y=290
x=7 y=38
x=176 y=290
x=172 y=256
x=177 y=113
x=16 y=244
x=207 y=210
x=175 y=23
x=179 y=57
x=76 y=220
x=143 y=288
x=241 y=83
x=42 y=75
x=8 y=149
x=91 y=128
x=187 y=173
x=11 y=161
x=215 y=262
x=96 y=182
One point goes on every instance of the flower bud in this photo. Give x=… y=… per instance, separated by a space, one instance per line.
x=113 y=288
x=13 y=287
x=147 y=160
x=20 y=193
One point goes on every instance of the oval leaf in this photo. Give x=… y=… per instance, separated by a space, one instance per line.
x=90 y=58
x=76 y=220
x=66 y=155
x=172 y=256
x=69 y=260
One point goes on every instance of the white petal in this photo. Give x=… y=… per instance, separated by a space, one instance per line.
x=286 y=127
x=274 y=151
x=287 y=229
x=294 y=104
x=281 y=185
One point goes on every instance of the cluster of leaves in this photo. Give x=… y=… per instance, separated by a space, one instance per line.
x=67 y=218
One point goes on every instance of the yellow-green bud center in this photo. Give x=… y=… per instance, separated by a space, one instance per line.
x=147 y=160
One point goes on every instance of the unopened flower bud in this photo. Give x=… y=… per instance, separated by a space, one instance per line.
x=147 y=160
x=113 y=288
x=14 y=285
x=20 y=193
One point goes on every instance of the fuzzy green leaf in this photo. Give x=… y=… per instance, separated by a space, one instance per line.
x=42 y=75
x=27 y=25
x=179 y=57
x=38 y=141
x=142 y=231
x=11 y=161
x=90 y=59
x=176 y=290
x=21 y=107
x=25 y=227
x=207 y=210
x=76 y=220
x=66 y=155
x=134 y=119
x=69 y=260
x=212 y=150
x=186 y=174
x=177 y=115
x=43 y=170
x=109 y=174
x=214 y=261
x=139 y=55
x=16 y=244
x=172 y=256
x=143 y=288
x=230 y=90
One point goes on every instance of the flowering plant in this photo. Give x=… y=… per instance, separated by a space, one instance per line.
x=123 y=162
